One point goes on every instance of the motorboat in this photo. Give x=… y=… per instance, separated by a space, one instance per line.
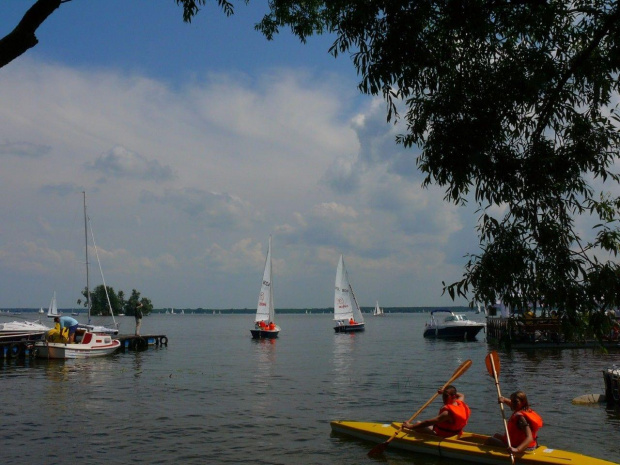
x=468 y=447
x=445 y=324
x=87 y=345
x=15 y=331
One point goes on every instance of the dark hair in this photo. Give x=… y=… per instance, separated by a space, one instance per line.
x=525 y=405
x=56 y=318
x=450 y=390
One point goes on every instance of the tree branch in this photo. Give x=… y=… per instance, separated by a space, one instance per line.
x=577 y=62
x=23 y=37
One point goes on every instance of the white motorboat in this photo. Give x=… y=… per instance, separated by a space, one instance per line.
x=87 y=345
x=445 y=324
x=347 y=313
x=15 y=331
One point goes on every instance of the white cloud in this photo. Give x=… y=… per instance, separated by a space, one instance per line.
x=185 y=185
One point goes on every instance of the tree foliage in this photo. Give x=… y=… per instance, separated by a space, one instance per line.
x=510 y=104
x=99 y=304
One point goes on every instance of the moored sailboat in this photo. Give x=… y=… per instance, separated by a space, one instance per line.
x=347 y=312
x=264 y=322
x=88 y=344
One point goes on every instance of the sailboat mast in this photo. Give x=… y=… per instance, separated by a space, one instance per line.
x=86 y=249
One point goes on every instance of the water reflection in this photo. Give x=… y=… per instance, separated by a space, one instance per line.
x=263 y=374
x=344 y=360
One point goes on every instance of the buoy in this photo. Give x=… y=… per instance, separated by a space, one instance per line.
x=589 y=399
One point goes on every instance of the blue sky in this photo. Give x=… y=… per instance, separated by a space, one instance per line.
x=194 y=143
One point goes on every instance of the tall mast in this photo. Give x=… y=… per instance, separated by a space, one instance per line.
x=86 y=249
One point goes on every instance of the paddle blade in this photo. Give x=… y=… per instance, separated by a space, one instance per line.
x=378 y=449
x=491 y=361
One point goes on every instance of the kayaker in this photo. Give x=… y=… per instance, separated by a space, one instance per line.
x=70 y=323
x=523 y=425
x=452 y=417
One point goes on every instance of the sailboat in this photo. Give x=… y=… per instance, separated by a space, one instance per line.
x=52 y=310
x=90 y=327
x=378 y=311
x=347 y=312
x=265 y=323
x=90 y=340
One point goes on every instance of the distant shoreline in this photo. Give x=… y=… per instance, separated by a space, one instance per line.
x=242 y=311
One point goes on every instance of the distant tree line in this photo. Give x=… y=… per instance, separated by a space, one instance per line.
x=99 y=304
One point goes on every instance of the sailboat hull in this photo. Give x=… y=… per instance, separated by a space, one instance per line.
x=264 y=333
x=349 y=328
x=92 y=345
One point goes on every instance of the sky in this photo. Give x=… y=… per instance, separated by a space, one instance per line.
x=194 y=143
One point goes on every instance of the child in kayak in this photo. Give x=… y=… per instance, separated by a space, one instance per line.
x=452 y=417
x=522 y=426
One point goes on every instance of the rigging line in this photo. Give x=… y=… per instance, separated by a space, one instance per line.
x=105 y=288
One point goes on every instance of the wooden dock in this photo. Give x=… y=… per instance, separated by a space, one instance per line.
x=131 y=342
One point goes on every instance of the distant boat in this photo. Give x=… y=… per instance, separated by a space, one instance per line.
x=41 y=311
x=265 y=320
x=378 y=311
x=52 y=311
x=347 y=312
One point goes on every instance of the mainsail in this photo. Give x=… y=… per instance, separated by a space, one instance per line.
x=52 y=311
x=345 y=305
x=265 y=309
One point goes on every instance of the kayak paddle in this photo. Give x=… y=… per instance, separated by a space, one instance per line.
x=492 y=363
x=380 y=448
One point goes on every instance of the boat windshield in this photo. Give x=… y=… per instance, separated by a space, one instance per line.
x=456 y=318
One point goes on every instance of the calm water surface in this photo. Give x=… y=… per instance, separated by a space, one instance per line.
x=216 y=396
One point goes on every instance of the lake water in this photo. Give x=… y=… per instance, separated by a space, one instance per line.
x=214 y=395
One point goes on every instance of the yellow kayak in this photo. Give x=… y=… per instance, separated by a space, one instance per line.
x=469 y=447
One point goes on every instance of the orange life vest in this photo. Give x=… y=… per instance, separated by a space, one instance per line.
x=272 y=326
x=351 y=321
x=460 y=414
x=517 y=436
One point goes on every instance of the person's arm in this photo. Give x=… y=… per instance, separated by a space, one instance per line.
x=505 y=400
x=443 y=416
x=523 y=425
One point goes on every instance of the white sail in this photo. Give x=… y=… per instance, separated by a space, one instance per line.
x=52 y=311
x=345 y=305
x=378 y=310
x=265 y=309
